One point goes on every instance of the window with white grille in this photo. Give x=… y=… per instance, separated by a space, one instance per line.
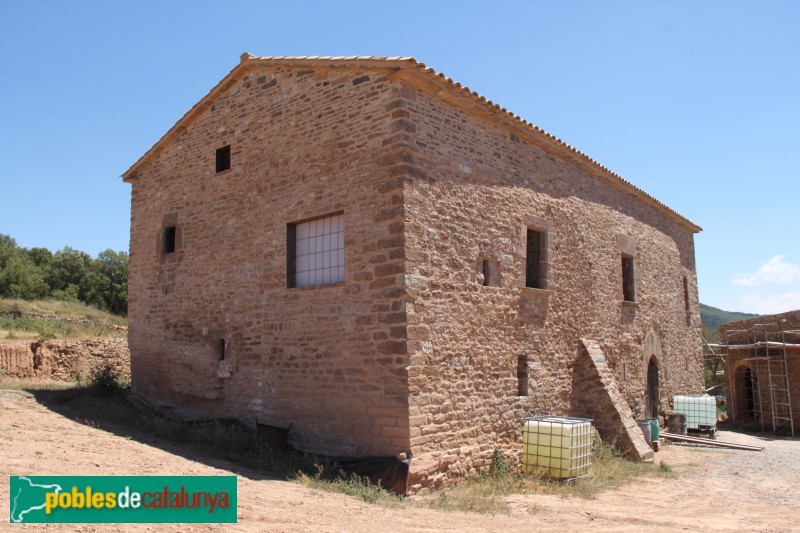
x=316 y=252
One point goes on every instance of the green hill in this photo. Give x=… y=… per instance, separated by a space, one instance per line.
x=711 y=317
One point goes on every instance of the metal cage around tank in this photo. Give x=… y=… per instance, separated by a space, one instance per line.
x=557 y=447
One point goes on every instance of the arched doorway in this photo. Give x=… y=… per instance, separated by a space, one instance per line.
x=652 y=388
x=749 y=391
x=746 y=393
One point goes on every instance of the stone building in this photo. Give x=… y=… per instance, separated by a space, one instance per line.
x=762 y=369
x=372 y=253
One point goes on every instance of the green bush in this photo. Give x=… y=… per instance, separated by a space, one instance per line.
x=500 y=466
x=105 y=380
x=47 y=329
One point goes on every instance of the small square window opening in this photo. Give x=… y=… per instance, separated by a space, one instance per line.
x=223 y=158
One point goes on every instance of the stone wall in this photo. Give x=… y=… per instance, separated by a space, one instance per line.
x=16 y=359
x=474 y=190
x=64 y=359
x=329 y=360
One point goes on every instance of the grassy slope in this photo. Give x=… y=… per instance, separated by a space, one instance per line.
x=49 y=319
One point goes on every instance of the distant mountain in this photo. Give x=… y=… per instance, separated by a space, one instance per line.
x=711 y=317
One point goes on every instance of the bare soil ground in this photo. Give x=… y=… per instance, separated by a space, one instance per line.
x=712 y=490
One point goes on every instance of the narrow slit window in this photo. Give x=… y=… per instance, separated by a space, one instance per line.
x=221 y=351
x=522 y=375
x=628 y=288
x=490 y=272
x=169 y=240
x=686 y=299
x=223 y=158
x=533 y=260
x=315 y=252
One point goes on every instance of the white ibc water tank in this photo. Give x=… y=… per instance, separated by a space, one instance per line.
x=557 y=447
x=700 y=411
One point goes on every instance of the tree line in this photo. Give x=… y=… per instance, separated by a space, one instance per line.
x=68 y=274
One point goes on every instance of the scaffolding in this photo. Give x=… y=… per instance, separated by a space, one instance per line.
x=764 y=348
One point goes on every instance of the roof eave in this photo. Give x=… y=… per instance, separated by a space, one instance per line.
x=409 y=69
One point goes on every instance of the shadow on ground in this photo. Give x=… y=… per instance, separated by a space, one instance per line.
x=754 y=429
x=232 y=447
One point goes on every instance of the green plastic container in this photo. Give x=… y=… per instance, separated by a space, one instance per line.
x=654 y=429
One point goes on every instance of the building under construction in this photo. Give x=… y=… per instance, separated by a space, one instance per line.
x=762 y=371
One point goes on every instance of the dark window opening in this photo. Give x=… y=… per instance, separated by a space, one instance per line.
x=686 y=300
x=750 y=384
x=221 y=349
x=169 y=239
x=490 y=271
x=533 y=269
x=628 y=292
x=223 y=158
x=522 y=375
x=653 y=397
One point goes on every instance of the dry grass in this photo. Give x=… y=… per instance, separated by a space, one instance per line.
x=51 y=319
x=74 y=310
x=486 y=493
x=35 y=384
x=353 y=486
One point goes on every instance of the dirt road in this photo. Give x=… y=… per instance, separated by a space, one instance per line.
x=712 y=490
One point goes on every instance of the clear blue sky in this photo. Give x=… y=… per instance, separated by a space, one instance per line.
x=698 y=103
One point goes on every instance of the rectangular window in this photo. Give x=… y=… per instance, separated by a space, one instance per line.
x=221 y=351
x=315 y=252
x=223 y=158
x=628 y=289
x=169 y=240
x=533 y=261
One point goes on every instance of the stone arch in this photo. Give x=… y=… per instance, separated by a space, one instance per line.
x=652 y=373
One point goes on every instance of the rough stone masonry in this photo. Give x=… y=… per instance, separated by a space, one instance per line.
x=475 y=252
x=63 y=359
